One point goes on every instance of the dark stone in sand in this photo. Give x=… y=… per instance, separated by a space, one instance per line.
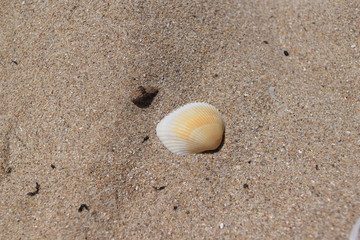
x=143 y=96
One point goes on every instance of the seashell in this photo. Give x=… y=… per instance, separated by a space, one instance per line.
x=193 y=128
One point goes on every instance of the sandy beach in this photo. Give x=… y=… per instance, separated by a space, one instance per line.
x=83 y=85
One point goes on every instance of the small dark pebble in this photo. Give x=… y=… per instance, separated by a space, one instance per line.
x=286 y=53
x=15 y=62
x=36 y=191
x=143 y=96
x=177 y=71
x=8 y=169
x=317 y=167
x=266 y=42
x=159 y=188
x=246 y=185
x=52 y=166
x=145 y=139
x=187 y=212
x=82 y=207
x=216 y=75
x=175 y=207
x=249 y=162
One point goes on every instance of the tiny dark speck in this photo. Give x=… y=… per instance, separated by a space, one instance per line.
x=52 y=166
x=145 y=139
x=175 y=207
x=266 y=42
x=246 y=185
x=286 y=53
x=82 y=207
x=159 y=188
x=15 y=62
x=36 y=191
x=317 y=167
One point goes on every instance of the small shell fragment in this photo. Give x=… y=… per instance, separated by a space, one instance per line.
x=193 y=128
x=355 y=232
x=272 y=94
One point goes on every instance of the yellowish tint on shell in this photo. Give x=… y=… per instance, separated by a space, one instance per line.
x=193 y=128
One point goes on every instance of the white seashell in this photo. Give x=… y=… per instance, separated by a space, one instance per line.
x=193 y=128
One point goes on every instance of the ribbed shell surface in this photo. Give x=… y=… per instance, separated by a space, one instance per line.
x=193 y=128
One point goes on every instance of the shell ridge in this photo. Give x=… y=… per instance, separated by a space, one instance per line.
x=191 y=128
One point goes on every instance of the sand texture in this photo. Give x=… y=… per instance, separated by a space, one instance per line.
x=74 y=119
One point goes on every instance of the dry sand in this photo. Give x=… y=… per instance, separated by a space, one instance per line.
x=289 y=168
